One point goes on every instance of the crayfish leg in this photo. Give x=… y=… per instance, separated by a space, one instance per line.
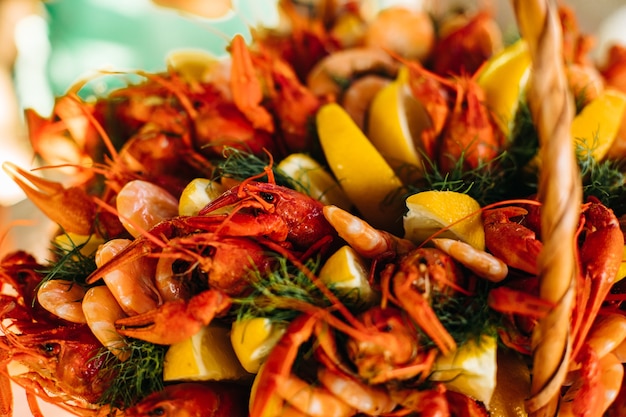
x=246 y=87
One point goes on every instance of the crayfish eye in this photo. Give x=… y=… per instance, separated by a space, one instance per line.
x=159 y=411
x=50 y=349
x=267 y=197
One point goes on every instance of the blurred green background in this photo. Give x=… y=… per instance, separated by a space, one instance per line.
x=72 y=38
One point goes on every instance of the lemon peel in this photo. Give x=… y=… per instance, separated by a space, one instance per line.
x=503 y=78
x=470 y=370
x=431 y=211
x=314 y=180
x=365 y=176
x=253 y=339
x=198 y=193
x=512 y=386
x=596 y=126
x=395 y=124
x=207 y=355
x=70 y=241
x=347 y=272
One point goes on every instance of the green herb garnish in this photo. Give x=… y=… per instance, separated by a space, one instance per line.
x=136 y=377
x=70 y=263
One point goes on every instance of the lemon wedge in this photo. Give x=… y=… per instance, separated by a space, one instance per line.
x=70 y=241
x=512 y=386
x=470 y=370
x=347 y=272
x=395 y=125
x=431 y=211
x=365 y=176
x=252 y=339
x=314 y=180
x=197 y=194
x=596 y=126
x=503 y=78
x=191 y=63
x=207 y=355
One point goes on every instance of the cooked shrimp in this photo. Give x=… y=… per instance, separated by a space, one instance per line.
x=132 y=283
x=330 y=76
x=101 y=310
x=408 y=33
x=311 y=400
x=62 y=298
x=483 y=263
x=141 y=205
x=168 y=282
x=358 y=97
x=364 y=398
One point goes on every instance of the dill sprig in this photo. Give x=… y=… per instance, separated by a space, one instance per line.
x=239 y=165
x=69 y=263
x=502 y=178
x=131 y=380
x=466 y=317
x=275 y=291
x=284 y=292
x=604 y=180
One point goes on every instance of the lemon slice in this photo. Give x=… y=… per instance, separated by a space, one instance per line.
x=347 y=272
x=365 y=176
x=252 y=340
x=470 y=370
x=207 y=355
x=395 y=125
x=314 y=180
x=197 y=194
x=431 y=211
x=503 y=78
x=596 y=126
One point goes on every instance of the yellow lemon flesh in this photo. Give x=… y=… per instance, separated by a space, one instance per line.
x=395 y=125
x=252 y=340
x=275 y=404
x=71 y=241
x=347 y=272
x=503 y=79
x=431 y=211
x=596 y=126
x=197 y=194
x=621 y=273
x=190 y=63
x=470 y=370
x=365 y=176
x=314 y=180
x=207 y=355
x=512 y=386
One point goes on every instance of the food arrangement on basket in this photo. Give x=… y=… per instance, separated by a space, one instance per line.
x=389 y=215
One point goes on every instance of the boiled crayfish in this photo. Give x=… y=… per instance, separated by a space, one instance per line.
x=60 y=358
x=265 y=216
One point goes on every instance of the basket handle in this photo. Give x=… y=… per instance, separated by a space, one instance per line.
x=560 y=192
